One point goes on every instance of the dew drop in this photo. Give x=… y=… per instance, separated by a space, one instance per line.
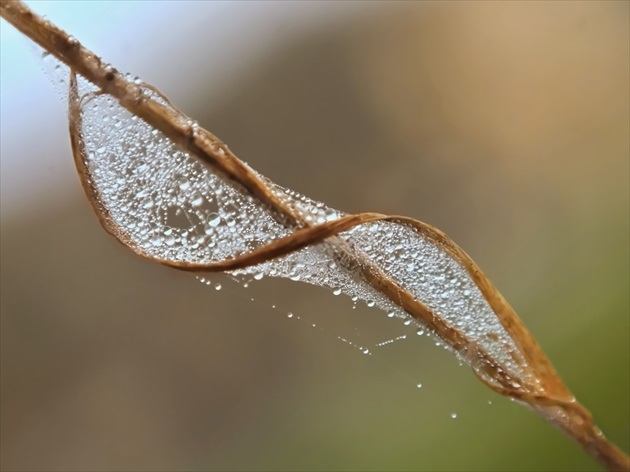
x=196 y=200
x=183 y=184
x=214 y=220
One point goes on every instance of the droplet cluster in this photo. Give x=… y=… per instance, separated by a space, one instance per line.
x=168 y=204
x=437 y=280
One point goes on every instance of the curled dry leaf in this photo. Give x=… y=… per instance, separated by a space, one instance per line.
x=175 y=194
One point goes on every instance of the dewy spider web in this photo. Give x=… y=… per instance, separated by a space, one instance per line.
x=162 y=202
x=173 y=193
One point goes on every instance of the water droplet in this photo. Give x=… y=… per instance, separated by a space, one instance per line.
x=217 y=287
x=337 y=291
x=419 y=385
x=183 y=183
x=214 y=219
x=330 y=214
x=289 y=315
x=453 y=415
x=391 y=314
x=197 y=200
x=259 y=276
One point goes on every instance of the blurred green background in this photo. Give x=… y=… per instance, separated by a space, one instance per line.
x=504 y=124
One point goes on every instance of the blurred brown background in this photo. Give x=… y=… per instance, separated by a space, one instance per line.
x=504 y=124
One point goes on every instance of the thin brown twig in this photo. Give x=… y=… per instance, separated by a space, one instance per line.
x=544 y=392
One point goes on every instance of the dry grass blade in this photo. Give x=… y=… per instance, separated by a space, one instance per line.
x=505 y=357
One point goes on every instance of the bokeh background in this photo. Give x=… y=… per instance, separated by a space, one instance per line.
x=504 y=124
